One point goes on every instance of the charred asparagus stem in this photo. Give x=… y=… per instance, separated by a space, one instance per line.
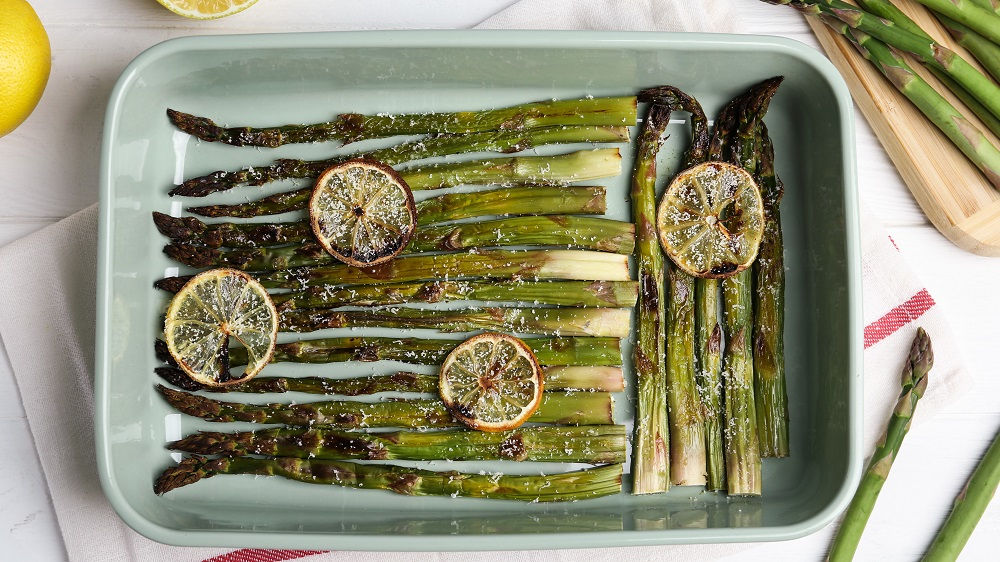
x=583 y=484
x=650 y=461
x=559 y=293
x=573 y=408
x=607 y=379
x=558 y=169
x=686 y=420
x=743 y=465
x=438 y=145
x=595 y=444
x=769 y=314
x=533 y=200
x=914 y=382
x=560 y=230
x=352 y=127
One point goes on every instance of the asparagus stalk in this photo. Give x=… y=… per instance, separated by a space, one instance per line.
x=993 y=5
x=607 y=379
x=567 y=408
x=558 y=293
x=887 y=10
x=968 y=509
x=595 y=444
x=602 y=322
x=914 y=382
x=983 y=20
x=927 y=51
x=438 y=145
x=965 y=136
x=559 y=230
x=650 y=461
x=352 y=127
x=570 y=486
x=686 y=420
x=582 y=165
x=984 y=51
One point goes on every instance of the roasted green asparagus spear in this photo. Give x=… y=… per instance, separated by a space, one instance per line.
x=568 y=408
x=439 y=145
x=595 y=444
x=571 y=486
x=557 y=169
x=914 y=382
x=352 y=127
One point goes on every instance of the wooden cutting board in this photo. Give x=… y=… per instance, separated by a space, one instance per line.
x=951 y=191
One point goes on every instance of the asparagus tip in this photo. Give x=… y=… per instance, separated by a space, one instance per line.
x=200 y=127
x=172 y=284
x=178 y=378
x=189 y=471
x=921 y=356
x=201 y=186
x=194 y=256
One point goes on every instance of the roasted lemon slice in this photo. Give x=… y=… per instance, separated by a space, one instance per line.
x=362 y=212
x=711 y=220
x=491 y=382
x=211 y=309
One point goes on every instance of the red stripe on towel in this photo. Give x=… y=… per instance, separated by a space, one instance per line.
x=898 y=317
x=262 y=555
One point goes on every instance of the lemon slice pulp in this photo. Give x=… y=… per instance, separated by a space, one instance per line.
x=206 y=9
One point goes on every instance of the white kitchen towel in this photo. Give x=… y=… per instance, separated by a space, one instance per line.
x=51 y=273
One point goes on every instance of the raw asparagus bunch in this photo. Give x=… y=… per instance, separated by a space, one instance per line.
x=770 y=393
x=982 y=20
x=650 y=461
x=438 y=145
x=532 y=200
x=583 y=484
x=742 y=445
x=969 y=508
x=601 y=378
x=686 y=420
x=594 y=444
x=568 y=351
x=352 y=127
x=559 y=230
x=565 y=408
x=914 y=383
x=558 y=169
x=558 y=293
x=602 y=322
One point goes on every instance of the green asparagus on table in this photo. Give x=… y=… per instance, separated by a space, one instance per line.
x=770 y=393
x=607 y=379
x=566 y=408
x=981 y=48
x=557 y=169
x=439 y=145
x=685 y=412
x=595 y=444
x=983 y=20
x=587 y=233
x=352 y=127
x=993 y=5
x=914 y=383
x=651 y=457
x=570 y=486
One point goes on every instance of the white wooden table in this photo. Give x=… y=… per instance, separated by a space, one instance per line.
x=50 y=169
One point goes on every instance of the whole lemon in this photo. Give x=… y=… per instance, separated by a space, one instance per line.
x=25 y=60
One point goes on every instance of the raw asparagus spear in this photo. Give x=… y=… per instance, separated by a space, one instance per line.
x=568 y=408
x=650 y=461
x=560 y=230
x=558 y=169
x=769 y=314
x=532 y=200
x=570 y=486
x=686 y=420
x=968 y=509
x=984 y=51
x=595 y=444
x=559 y=293
x=352 y=127
x=930 y=53
x=584 y=352
x=914 y=382
x=439 y=145
x=993 y=5
x=984 y=21
x=607 y=379
x=965 y=136
x=605 y=322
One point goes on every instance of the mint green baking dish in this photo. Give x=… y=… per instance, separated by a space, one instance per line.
x=266 y=79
